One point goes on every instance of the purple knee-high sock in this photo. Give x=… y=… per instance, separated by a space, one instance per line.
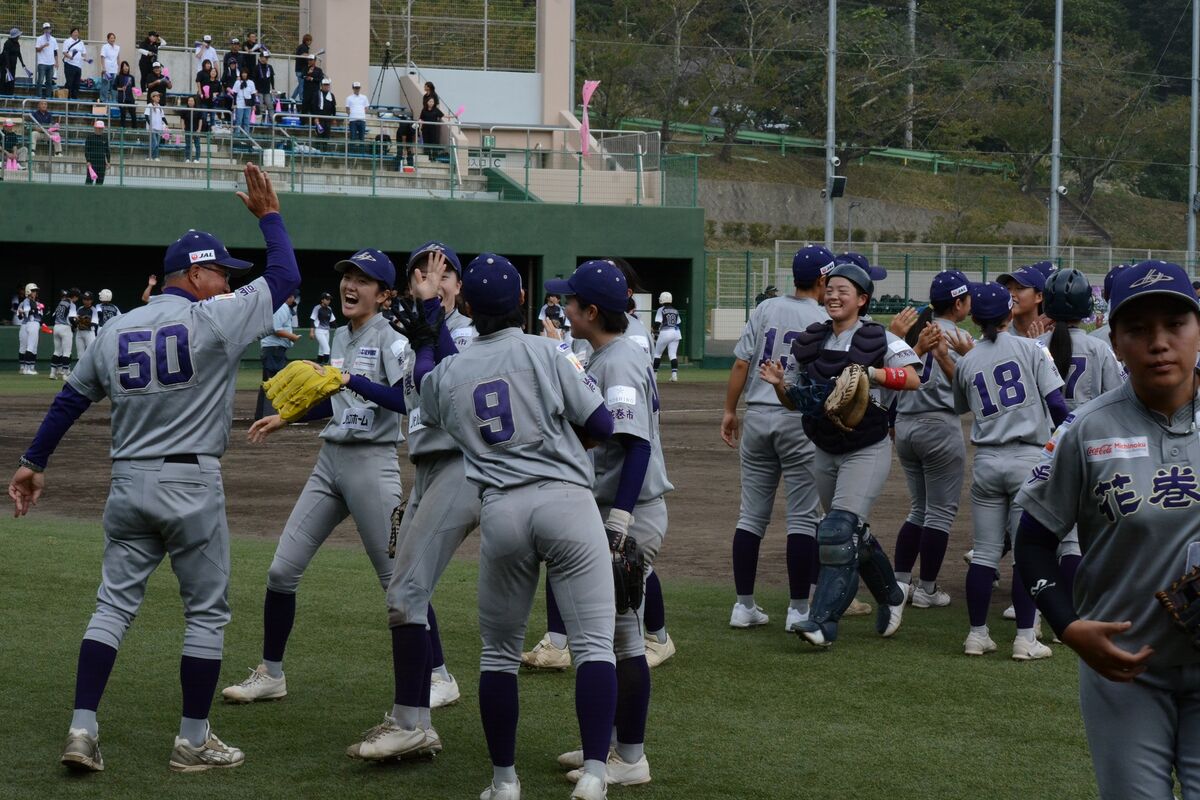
x=979 y=593
x=1022 y=603
x=655 y=614
x=908 y=546
x=435 y=640
x=596 y=707
x=279 y=612
x=410 y=660
x=554 y=620
x=745 y=561
x=95 y=665
x=933 y=552
x=1068 y=566
x=427 y=678
x=498 y=710
x=801 y=560
x=198 y=677
x=633 y=699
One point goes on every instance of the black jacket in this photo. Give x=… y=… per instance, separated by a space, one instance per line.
x=263 y=76
x=10 y=55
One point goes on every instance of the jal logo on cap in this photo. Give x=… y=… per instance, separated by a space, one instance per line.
x=959 y=290
x=1149 y=279
x=363 y=256
x=202 y=255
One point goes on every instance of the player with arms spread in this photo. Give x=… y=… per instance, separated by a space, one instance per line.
x=169 y=369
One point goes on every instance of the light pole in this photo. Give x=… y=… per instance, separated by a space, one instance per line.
x=849 y=225
x=1056 y=135
x=830 y=121
x=1192 y=150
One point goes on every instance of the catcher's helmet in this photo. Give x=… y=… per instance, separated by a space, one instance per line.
x=106 y=295
x=855 y=274
x=1068 y=296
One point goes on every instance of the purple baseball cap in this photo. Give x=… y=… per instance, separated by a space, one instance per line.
x=492 y=285
x=859 y=260
x=990 y=301
x=597 y=282
x=1150 y=277
x=198 y=247
x=374 y=263
x=1025 y=276
x=1106 y=292
x=435 y=247
x=811 y=262
x=949 y=285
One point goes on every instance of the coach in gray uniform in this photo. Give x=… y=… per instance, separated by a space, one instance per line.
x=169 y=369
x=774 y=443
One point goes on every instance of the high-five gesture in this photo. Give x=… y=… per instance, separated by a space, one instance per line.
x=260 y=195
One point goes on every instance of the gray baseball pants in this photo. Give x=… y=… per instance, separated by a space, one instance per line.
x=999 y=473
x=853 y=481
x=933 y=454
x=648 y=530
x=773 y=445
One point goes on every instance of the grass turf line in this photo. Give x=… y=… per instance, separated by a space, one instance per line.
x=734 y=714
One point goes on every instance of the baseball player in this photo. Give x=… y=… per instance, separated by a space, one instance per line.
x=774 y=443
x=169 y=369
x=442 y=509
x=850 y=466
x=64 y=312
x=29 y=317
x=631 y=482
x=86 y=322
x=356 y=473
x=1010 y=385
x=509 y=401
x=634 y=330
x=929 y=441
x=106 y=311
x=322 y=321
x=1122 y=470
x=1026 y=286
x=667 y=326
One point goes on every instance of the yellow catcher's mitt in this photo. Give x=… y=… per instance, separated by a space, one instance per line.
x=847 y=402
x=300 y=386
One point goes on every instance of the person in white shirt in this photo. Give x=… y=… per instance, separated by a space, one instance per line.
x=205 y=50
x=244 y=92
x=110 y=60
x=47 y=61
x=356 y=108
x=156 y=120
x=74 y=53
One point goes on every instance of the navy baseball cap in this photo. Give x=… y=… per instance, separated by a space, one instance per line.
x=990 y=301
x=434 y=247
x=1151 y=277
x=492 y=285
x=948 y=285
x=860 y=261
x=198 y=247
x=1029 y=277
x=811 y=262
x=597 y=282
x=374 y=263
x=1047 y=268
x=1106 y=292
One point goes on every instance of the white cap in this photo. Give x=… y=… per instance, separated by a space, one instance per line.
x=105 y=295
x=99 y=123
x=665 y=297
x=30 y=287
x=44 y=26
x=156 y=64
x=356 y=85
x=207 y=38
x=325 y=80
x=234 y=40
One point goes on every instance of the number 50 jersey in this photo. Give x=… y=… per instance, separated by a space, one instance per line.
x=169 y=368
x=509 y=400
x=1002 y=384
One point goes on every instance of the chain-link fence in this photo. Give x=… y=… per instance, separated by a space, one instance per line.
x=28 y=15
x=184 y=22
x=680 y=181
x=456 y=34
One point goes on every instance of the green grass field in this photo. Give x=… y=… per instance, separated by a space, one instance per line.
x=736 y=714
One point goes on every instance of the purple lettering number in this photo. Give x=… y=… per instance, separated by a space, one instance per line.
x=653 y=390
x=493 y=409
x=134 y=365
x=1008 y=380
x=173 y=356
x=172 y=362
x=928 y=369
x=1078 y=367
x=768 y=346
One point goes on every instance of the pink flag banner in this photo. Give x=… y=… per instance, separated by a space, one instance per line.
x=461 y=110
x=92 y=173
x=589 y=88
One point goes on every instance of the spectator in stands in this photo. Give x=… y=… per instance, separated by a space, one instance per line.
x=95 y=150
x=148 y=55
x=356 y=110
x=205 y=52
x=9 y=57
x=156 y=123
x=13 y=146
x=325 y=107
x=211 y=92
x=431 y=132
x=312 y=86
x=158 y=82
x=406 y=140
x=124 y=88
x=74 y=54
x=47 y=61
x=195 y=125
x=430 y=91
x=250 y=52
x=202 y=74
x=264 y=84
x=302 y=60
x=110 y=58
x=243 y=102
x=231 y=65
x=45 y=127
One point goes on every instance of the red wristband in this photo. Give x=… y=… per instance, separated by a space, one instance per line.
x=894 y=377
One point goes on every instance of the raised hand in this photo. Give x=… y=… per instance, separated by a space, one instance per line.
x=259 y=197
x=427 y=282
x=904 y=320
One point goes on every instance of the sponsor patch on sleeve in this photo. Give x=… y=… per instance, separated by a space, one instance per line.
x=565 y=349
x=1117 y=447
x=1048 y=450
x=620 y=396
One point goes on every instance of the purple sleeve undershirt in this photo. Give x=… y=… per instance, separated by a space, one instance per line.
x=282 y=274
x=389 y=397
x=599 y=425
x=67 y=407
x=1036 y=556
x=445 y=340
x=1057 y=407
x=322 y=410
x=633 y=471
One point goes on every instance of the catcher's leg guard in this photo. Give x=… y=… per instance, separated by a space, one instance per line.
x=837 y=542
x=877 y=572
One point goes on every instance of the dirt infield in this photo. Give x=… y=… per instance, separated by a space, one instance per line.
x=262 y=483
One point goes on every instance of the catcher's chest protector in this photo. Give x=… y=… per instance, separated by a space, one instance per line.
x=868 y=348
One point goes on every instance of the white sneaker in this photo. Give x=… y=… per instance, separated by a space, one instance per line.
x=387 y=740
x=657 y=652
x=794 y=618
x=935 y=599
x=505 y=791
x=545 y=655
x=590 y=787
x=573 y=759
x=213 y=754
x=978 y=644
x=259 y=686
x=82 y=752
x=620 y=772
x=1025 y=650
x=443 y=692
x=857 y=608
x=887 y=627
x=969 y=556
x=674 y=377
x=743 y=617
x=1009 y=613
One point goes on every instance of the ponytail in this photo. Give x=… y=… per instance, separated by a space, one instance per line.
x=990 y=327
x=1060 y=348
x=923 y=319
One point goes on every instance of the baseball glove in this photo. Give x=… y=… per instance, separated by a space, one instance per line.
x=411 y=322
x=300 y=386
x=1182 y=603
x=847 y=402
x=628 y=564
x=397 y=518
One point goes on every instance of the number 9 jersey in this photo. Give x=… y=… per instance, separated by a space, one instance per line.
x=169 y=369
x=1002 y=384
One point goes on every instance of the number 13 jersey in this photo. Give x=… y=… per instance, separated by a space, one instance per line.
x=1002 y=384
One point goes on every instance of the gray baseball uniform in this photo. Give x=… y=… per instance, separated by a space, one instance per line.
x=1125 y=475
x=169 y=368
x=87 y=320
x=62 y=315
x=929 y=443
x=29 y=313
x=508 y=401
x=635 y=331
x=357 y=473
x=773 y=439
x=1003 y=384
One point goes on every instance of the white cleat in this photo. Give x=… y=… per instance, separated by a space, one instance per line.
x=387 y=740
x=857 y=608
x=674 y=377
x=887 y=627
x=505 y=791
x=743 y=617
x=259 y=686
x=657 y=652
x=82 y=752
x=213 y=754
x=978 y=644
x=545 y=655
x=619 y=772
x=590 y=787
x=794 y=618
x=935 y=599
x=443 y=692
x=1009 y=613
x=1025 y=650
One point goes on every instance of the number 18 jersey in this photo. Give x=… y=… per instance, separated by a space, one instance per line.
x=1002 y=384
